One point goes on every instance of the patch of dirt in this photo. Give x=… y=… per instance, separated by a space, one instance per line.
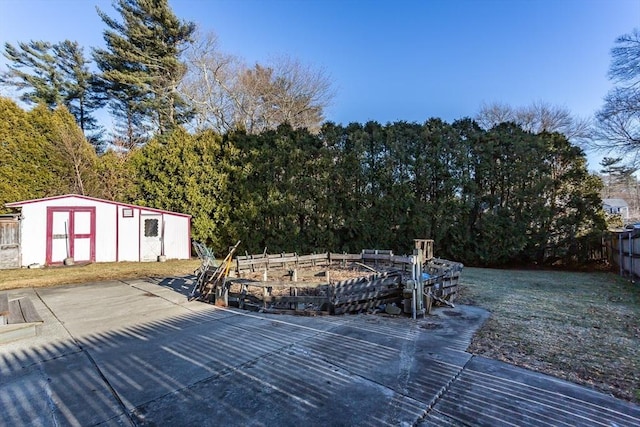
x=452 y=313
x=430 y=325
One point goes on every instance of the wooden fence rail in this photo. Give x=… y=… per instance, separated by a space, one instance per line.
x=624 y=251
x=258 y=262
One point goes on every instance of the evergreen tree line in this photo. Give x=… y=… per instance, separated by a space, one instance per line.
x=487 y=197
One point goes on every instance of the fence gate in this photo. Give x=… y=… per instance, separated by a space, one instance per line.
x=9 y=241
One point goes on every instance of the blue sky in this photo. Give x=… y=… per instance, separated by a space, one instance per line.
x=394 y=60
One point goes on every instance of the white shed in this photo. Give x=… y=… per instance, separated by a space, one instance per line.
x=87 y=229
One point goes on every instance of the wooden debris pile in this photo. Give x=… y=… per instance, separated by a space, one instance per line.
x=347 y=296
x=211 y=283
x=366 y=293
x=441 y=278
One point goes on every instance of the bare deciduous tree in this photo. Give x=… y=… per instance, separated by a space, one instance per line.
x=618 y=121
x=537 y=117
x=209 y=83
x=227 y=94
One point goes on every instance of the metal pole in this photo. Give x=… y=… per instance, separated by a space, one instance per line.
x=620 y=259
x=414 y=300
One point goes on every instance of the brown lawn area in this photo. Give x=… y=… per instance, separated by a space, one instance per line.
x=53 y=276
x=582 y=327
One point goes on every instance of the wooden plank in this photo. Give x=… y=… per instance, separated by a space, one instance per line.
x=345 y=257
x=15 y=314
x=4 y=304
x=348 y=308
x=374 y=294
x=307 y=299
x=283 y=260
x=379 y=257
x=254 y=262
x=361 y=295
x=272 y=257
x=22 y=311
x=361 y=279
x=360 y=286
x=279 y=284
x=377 y=251
x=29 y=311
x=449 y=291
x=397 y=259
x=314 y=257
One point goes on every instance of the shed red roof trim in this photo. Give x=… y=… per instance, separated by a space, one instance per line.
x=95 y=199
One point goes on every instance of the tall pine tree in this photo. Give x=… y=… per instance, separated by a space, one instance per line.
x=54 y=75
x=141 y=66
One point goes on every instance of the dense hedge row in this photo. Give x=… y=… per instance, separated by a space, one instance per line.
x=486 y=197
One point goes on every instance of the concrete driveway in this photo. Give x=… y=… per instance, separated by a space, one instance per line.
x=137 y=352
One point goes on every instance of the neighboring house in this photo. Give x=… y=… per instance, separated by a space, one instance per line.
x=81 y=229
x=616 y=207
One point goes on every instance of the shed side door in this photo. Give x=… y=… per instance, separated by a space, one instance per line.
x=9 y=244
x=150 y=237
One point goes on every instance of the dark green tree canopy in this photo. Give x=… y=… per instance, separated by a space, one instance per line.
x=141 y=67
x=487 y=197
x=54 y=75
x=33 y=70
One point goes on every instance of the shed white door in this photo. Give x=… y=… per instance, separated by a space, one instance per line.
x=71 y=233
x=150 y=237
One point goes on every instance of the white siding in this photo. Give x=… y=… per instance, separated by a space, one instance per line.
x=34 y=230
x=117 y=238
x=128 y=234
x=105 y=232
x=176 y=237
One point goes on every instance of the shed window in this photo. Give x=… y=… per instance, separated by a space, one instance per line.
x=150 y=228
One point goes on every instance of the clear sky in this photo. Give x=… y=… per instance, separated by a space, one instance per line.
x=393 y=60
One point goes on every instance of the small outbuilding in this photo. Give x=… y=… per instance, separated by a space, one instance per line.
x=79 y=229
x=616 y=207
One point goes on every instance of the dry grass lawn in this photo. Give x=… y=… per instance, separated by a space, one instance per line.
x=582 y=327
x=54 y=276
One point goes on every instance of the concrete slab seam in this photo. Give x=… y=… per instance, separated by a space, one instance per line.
x=51 y=404
x=143 y=290
x=239 y=369
x=407 y=353
x=92 y=361
x=444 y=390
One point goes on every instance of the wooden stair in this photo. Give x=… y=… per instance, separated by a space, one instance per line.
x=18 y=319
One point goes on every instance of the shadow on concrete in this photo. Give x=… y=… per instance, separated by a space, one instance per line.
x=213 y=366
x=182 y=285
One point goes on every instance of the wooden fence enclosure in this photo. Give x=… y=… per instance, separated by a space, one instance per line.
x=305 y=284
